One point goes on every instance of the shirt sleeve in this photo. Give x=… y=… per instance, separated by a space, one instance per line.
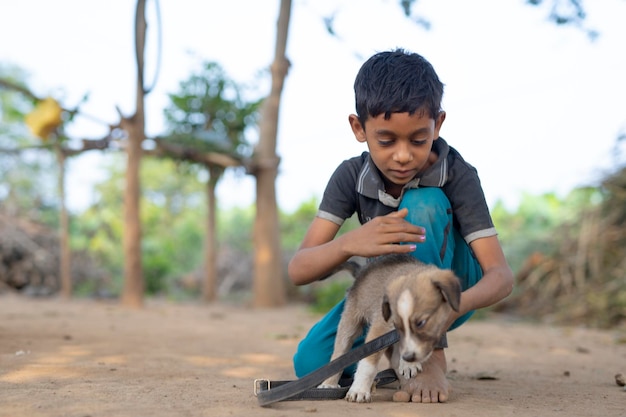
x=339 y=201
x=469 y=206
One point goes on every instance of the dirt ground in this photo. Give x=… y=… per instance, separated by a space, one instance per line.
x=85 y=358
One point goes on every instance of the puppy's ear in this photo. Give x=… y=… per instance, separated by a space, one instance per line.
x=448 y=284
x=386 y=308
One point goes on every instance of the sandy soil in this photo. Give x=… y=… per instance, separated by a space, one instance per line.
x=86 y=358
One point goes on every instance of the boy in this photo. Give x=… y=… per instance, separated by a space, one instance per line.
x=413 y=193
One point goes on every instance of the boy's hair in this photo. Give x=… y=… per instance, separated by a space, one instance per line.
x=397 y=82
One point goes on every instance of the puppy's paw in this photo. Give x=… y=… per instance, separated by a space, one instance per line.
x=409 y=369
x=330 y=382
x=355 y=396
x=360 y=391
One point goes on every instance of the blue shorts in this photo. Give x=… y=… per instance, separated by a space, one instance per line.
x=444 y=247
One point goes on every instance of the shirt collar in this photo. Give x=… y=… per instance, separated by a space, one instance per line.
x=371 y=185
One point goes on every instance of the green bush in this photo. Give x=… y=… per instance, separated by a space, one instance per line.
x=328 y=293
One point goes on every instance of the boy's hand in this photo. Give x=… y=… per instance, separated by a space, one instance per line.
x=383 y=235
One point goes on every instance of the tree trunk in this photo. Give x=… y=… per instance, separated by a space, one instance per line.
x=132 y=293
x=65 y=260
x=269 y=285
x=209 y=288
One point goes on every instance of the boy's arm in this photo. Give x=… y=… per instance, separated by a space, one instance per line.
x=320 y=252
x=497 y=281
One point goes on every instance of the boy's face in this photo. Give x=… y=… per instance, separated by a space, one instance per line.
x=401 y=146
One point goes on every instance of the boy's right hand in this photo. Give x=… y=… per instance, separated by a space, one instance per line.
x=320 y=252
x=383 y=235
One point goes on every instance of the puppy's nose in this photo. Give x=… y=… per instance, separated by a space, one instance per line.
x=408 y=356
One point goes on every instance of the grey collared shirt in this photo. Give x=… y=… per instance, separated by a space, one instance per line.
x=356 y=186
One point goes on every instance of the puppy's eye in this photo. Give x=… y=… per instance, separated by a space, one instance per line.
x=420 y=324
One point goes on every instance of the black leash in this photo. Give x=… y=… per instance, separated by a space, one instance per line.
x=305 y=388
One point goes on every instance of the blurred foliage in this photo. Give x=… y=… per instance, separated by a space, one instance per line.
x=531 y=226
x=172 y=209
x=560 y=12
x=235 y=228
x=295 y=225
x=28 y=176
x=327 y=294
x=210 y=113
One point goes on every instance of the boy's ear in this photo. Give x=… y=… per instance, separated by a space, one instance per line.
x=440 y=119
x=357 y=128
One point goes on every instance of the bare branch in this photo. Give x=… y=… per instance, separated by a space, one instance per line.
x=177 y=151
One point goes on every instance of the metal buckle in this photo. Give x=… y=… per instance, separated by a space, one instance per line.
x=258 y=388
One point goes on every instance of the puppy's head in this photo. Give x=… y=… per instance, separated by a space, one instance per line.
x=419 y=305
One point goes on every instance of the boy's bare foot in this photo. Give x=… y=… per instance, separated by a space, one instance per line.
x=429 y=386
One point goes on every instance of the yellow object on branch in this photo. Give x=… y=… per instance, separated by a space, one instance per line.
x=45 y=118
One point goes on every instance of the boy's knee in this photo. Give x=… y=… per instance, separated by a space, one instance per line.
x=430 y=209
x=307 y=359
x=426 y=205
x=461 y=320
x=316 y=348
x=300 y=366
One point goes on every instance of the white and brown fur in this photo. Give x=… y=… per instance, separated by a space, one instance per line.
x=395 y=291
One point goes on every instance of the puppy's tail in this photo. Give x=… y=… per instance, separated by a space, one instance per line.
x=351 y=266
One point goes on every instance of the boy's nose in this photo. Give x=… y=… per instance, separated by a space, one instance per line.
x=402 y=155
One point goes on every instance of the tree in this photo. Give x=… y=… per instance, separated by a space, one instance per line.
x=269 y=286
x=132 y=293
x=208 y=119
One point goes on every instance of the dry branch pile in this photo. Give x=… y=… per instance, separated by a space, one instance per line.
x=29 y=258
x=584 y=279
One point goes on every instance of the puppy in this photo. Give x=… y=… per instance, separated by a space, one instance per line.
x=395 y=291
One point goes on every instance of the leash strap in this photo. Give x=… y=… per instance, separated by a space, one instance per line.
x=268 y=392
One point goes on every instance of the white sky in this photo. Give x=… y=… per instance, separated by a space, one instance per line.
x=534 y=107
